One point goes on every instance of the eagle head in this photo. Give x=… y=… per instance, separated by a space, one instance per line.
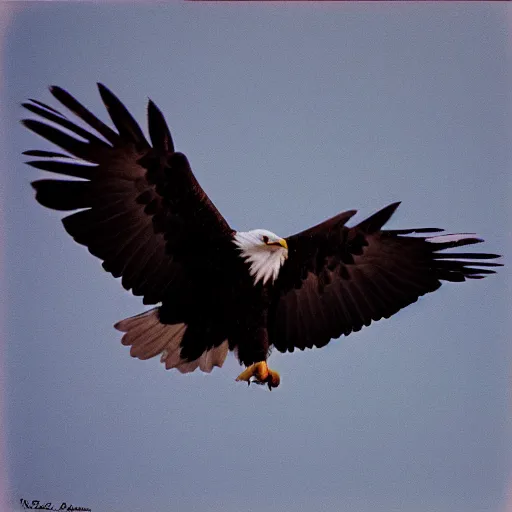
x=264 y=251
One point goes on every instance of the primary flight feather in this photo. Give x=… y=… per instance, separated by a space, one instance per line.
x=142 y=211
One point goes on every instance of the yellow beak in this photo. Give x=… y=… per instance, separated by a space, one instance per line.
x=281 y=242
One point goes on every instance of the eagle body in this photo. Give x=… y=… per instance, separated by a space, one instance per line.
x=232 y=307
x=139 y=208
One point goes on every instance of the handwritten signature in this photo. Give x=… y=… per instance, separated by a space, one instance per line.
x=39 y=505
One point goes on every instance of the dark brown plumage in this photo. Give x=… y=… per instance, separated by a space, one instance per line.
x=143 y=213
x=338 y=279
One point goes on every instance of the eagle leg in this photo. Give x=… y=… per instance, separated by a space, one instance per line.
x=262 y=375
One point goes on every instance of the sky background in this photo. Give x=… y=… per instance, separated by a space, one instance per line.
x=289 y=113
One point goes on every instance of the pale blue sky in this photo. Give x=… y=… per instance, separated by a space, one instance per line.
x=289 y=113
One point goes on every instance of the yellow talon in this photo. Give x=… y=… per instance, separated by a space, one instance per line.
x=262 y=375
x=257 y=370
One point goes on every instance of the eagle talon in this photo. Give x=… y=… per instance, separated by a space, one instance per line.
x=261 y=374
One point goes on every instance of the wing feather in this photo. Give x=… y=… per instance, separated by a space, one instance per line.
x=68 y=169
x=127 y=127
x=85 y=115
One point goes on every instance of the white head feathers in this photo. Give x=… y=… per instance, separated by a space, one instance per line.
x=264 y=250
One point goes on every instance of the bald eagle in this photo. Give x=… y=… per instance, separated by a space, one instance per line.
x=138 y=207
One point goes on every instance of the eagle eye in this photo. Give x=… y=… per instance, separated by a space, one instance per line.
x=265 y=239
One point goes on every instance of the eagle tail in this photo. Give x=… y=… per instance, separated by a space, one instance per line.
x=148 y=337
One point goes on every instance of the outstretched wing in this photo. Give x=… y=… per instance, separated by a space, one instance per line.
x=141 y=210
x=338 y=279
